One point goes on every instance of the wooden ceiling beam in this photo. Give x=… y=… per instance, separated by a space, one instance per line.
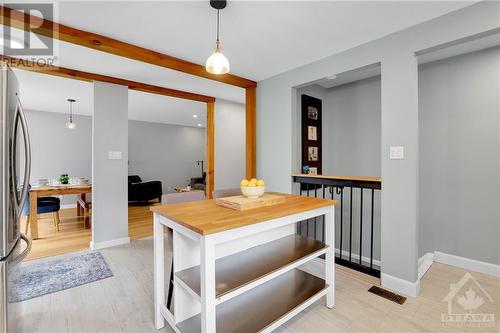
x=90 y=77
x=19 y=20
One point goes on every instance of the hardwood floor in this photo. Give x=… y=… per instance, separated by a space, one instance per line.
x=74 y=237
x=124 y=302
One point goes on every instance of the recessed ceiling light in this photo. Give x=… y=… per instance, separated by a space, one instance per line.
x=331 y=77
x=195 y=116
x=199 y=125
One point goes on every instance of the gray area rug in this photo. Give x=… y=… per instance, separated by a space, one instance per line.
x=40 y=277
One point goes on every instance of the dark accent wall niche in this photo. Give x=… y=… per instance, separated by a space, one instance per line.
x=311 y=134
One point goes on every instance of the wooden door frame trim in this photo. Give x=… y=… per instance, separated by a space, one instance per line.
x=47 y=28
x=210 y=153
x=250 y=132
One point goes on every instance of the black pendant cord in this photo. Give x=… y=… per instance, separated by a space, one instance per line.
x=218 y=18
x=71 y=101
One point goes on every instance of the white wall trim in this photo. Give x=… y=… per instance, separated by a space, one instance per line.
x=355 y=256
x=405 y=287
x=466 y=263
x=110 y=243
x=424 y=263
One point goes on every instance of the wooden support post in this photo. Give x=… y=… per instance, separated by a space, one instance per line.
x=251 y=135
x=210 y=149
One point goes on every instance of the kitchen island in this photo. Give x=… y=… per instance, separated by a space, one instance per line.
x=239 y=271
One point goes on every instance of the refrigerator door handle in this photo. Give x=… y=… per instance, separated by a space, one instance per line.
x=25 y=252
x=19 y=202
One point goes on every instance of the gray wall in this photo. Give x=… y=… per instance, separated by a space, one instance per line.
x=276 y=106
x=109 y=177
x=229 y=144
x=459 y=176
x=165 y=152
x=352 y=132
x=57 y=150
x=352 y=147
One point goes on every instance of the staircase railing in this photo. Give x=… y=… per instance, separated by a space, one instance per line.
x=357 y=217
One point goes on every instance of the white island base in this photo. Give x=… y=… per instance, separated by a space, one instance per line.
x=237 y=271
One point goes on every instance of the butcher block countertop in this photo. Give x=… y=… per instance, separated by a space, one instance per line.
x=205 y=217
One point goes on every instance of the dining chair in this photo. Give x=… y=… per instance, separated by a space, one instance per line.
x=227 y=192
x=173 y=198
x=85 y=204
x=44 y=205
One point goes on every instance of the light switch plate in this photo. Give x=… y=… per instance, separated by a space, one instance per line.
x=396 y=153
x=114 y=155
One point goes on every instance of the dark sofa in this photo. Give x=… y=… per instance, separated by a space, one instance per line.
x=143 y=191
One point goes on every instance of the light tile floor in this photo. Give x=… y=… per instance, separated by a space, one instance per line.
x=124 y=303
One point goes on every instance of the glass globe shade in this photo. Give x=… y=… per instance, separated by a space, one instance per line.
x=217 y=63
x=70 y=125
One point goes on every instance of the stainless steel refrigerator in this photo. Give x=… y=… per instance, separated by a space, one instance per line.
x=15 y=170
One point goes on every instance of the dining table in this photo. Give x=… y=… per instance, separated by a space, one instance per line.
x=53 y=190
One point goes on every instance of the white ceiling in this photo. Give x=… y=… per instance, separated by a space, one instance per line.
x=42 y=92
x=260 y=38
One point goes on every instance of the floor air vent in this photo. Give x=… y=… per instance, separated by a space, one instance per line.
x=387 y=294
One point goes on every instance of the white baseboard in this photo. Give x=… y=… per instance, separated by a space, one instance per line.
x=405 y=287
x=424 y=263
x=465 y=263
x=355 y=257
x=110 y=243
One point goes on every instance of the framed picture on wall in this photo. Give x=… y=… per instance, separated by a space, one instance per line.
x=312 y=113
x=312 y=153
x=312 y=134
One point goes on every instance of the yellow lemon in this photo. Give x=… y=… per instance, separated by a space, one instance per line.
x=244 y=182
x=252 y=183
x=253 y=180
x=260 y=182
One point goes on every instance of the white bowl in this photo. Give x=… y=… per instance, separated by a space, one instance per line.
x=253 y=192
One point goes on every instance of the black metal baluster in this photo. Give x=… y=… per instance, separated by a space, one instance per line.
x=341 y=219
x=307 y=221
x=350 y=225
x=319 y=223
x=361 y=227
x=371 y=232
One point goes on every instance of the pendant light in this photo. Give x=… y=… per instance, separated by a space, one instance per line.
x=217 y=63
x=70 y=124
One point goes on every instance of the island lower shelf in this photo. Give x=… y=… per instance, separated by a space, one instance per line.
x=263 y=306
x=240 y=269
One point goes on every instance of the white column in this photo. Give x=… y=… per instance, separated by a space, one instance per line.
x=109 y=165
x=399 y=229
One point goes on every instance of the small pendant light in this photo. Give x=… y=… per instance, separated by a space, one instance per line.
x=217 y=63
x=70 y=124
